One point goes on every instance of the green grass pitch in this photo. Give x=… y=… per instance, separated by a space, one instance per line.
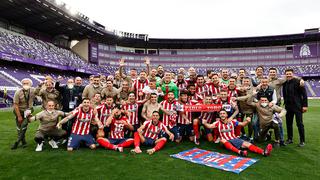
x=290 y=162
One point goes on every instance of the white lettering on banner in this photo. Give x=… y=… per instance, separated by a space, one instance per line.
x=202 y=108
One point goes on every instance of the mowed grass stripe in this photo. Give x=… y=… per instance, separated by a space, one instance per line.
x=284 y=163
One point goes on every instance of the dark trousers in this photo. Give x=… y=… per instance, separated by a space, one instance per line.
x=289 y=120
x=264 y=130
x=68 y=127
x=129 y=134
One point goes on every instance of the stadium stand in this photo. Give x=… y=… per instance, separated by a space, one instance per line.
x=37 y=50
x=10 y=77
x=24 y=46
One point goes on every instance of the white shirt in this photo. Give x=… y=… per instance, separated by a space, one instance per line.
x=148 y=90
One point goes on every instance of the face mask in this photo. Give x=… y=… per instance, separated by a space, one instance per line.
x=26 y=87
x=264 y=104
x=70 y=86
x=95 y=86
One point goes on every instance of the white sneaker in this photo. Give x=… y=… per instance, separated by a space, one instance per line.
x=53 y=144
x=196 y=141
x=217 y=140
x=64 y=141
x=120 y=149
x=39 y=147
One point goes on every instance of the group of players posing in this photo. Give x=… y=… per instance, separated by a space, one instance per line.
x=149 y=109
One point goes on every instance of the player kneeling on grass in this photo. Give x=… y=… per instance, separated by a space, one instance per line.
x=228 y=138
x=148 y=134
x=119 y=124
x=47 y=129
x=83 y=114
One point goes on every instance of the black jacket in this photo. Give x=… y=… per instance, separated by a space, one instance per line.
x=267 y=93
x=69 y=95
x=295 y=97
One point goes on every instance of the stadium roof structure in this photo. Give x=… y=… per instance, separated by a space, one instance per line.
x=46 y=16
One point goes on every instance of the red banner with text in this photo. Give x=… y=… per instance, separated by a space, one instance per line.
x=202 y=108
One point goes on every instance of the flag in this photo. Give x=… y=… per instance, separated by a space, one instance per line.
x=216 y=160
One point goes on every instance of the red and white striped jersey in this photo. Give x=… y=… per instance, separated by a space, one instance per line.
x=138 y=87
x=226 y=131
x=152 y=131
x=188 y=115
x=189 y=81
x=207 y=116
x=133 y=109
x=214 y=90
x=81 y=125
x=233 y=93
x=192 y=97
x=182 y=86
x=118 y=128
x=104 y=111
x=202 y=91
x=168 y=120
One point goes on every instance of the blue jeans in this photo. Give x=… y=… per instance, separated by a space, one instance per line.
x=281 y=132
x=255 y=125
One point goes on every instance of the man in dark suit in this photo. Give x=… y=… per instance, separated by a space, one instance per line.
x=78 y=89
x=71 y=97
x=296 y=103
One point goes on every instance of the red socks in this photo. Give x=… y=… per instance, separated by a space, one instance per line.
x=126 y=143
x=237 y=129
x=255 y=149
x=229 y=146
x=196 y=130
x=136 y=139
x=160 y=145
x=106 y=144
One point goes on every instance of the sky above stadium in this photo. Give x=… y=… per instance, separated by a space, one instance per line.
x=202 y=18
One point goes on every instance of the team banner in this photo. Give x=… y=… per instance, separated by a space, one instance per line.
x=309 y=50
x=216 y=160
x=202 y=108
